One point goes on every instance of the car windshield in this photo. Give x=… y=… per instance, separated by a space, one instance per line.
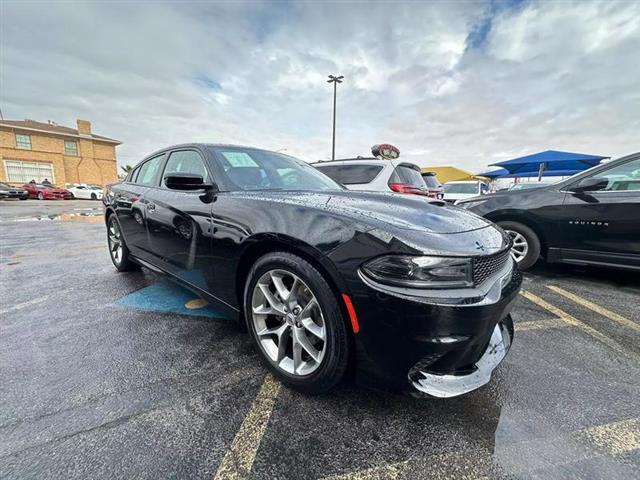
x=248 y=169
x=351 y=174
x=461 y=188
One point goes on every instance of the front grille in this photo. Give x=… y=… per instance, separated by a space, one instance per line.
x=484 y=267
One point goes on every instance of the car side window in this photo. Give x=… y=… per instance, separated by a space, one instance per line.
x=149 y=171
x=185 y=161
x=625 y=177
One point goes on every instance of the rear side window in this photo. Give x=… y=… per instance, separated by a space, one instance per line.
x=149 y=171
x=408 y=176
x=351 y=174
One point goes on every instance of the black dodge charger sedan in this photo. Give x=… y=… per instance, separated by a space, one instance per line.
x=592 y=218
x=415 y=295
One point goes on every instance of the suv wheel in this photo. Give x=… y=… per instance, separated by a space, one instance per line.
x=526 y=244
x=295 y=322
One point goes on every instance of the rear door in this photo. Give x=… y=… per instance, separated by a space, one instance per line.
x=179 y=222
x=130 y=204
x=604 y=225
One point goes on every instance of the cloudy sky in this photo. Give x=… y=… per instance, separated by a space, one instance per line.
x=448 y=82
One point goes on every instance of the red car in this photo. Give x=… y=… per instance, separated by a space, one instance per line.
x=44 y=191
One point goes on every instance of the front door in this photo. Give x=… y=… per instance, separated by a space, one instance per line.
x=179 y=222
x=604 y=225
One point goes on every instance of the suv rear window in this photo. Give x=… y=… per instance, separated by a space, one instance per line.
x=408 y=176
x=350 y=174
x=431 y=181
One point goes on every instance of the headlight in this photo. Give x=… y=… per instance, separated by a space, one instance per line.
x=467 y=205
x=420 y=272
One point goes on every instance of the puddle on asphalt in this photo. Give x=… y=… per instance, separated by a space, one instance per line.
x=92 y=216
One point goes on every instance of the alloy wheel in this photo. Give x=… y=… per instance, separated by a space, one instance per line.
x=520 y=247
x=115 y=242
x=288 y=322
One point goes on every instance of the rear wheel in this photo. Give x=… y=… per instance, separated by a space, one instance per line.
x=526 y=244
x=118 y=251
x=93 y=196
x=296 y=323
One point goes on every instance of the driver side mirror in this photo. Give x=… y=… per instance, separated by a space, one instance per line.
x=590 y=185
x=187 y=181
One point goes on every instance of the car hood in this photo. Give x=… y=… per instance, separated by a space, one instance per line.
x=387 y=210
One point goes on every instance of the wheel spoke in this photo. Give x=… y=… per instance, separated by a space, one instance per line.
x=280 y=286
x=313 y=327
x=297 y=353
x=283 y=339
x=273 y=301
x=278 y=331
x=302 y=339
x=264 y=310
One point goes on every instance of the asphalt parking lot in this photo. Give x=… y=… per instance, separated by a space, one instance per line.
x=129 y=376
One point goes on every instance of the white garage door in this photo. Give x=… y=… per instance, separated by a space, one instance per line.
x=23 y=172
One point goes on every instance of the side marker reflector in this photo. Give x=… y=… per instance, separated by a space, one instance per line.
x=352 y=313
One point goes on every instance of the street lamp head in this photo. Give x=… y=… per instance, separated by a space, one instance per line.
x=333 y=78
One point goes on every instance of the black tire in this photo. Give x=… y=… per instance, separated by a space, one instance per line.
x=533 y=243
x=23 y=198
x=333 y=365
x=94 y=196
x=124 y=262
x=40 y=196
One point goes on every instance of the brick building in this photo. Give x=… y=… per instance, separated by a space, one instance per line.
x=35 y=150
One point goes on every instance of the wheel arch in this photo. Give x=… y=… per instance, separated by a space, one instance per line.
x=525 y=220
x=261 y=245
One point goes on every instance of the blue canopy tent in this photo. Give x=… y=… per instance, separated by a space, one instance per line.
x=493 y=174
x=549 y=163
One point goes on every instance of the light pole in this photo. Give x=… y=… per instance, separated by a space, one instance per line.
x=335 y=80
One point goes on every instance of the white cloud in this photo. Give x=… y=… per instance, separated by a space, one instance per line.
x=545 y=75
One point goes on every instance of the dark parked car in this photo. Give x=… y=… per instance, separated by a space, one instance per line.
x=414 y=294
x=7 y=191
x=590 y=218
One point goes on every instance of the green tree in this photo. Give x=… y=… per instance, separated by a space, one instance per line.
x=126 y=169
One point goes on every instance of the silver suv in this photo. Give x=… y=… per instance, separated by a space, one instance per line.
x=375 y=174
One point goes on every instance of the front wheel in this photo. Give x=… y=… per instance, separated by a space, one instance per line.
x=295 y=322
x=118 y=251
x=94 y=196
x=526 y=244
x=40 y=196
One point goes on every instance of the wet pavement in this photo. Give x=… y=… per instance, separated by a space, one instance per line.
x=129 y=376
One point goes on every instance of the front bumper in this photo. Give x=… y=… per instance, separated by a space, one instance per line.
x=416 y=345
x=447 y=385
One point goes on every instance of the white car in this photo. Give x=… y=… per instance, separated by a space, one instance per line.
x=454 y=191
x=374 y=174
x=89 y=192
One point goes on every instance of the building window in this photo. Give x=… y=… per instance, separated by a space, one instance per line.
x=24 y=172
x=23 y=141
x=70 y=148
